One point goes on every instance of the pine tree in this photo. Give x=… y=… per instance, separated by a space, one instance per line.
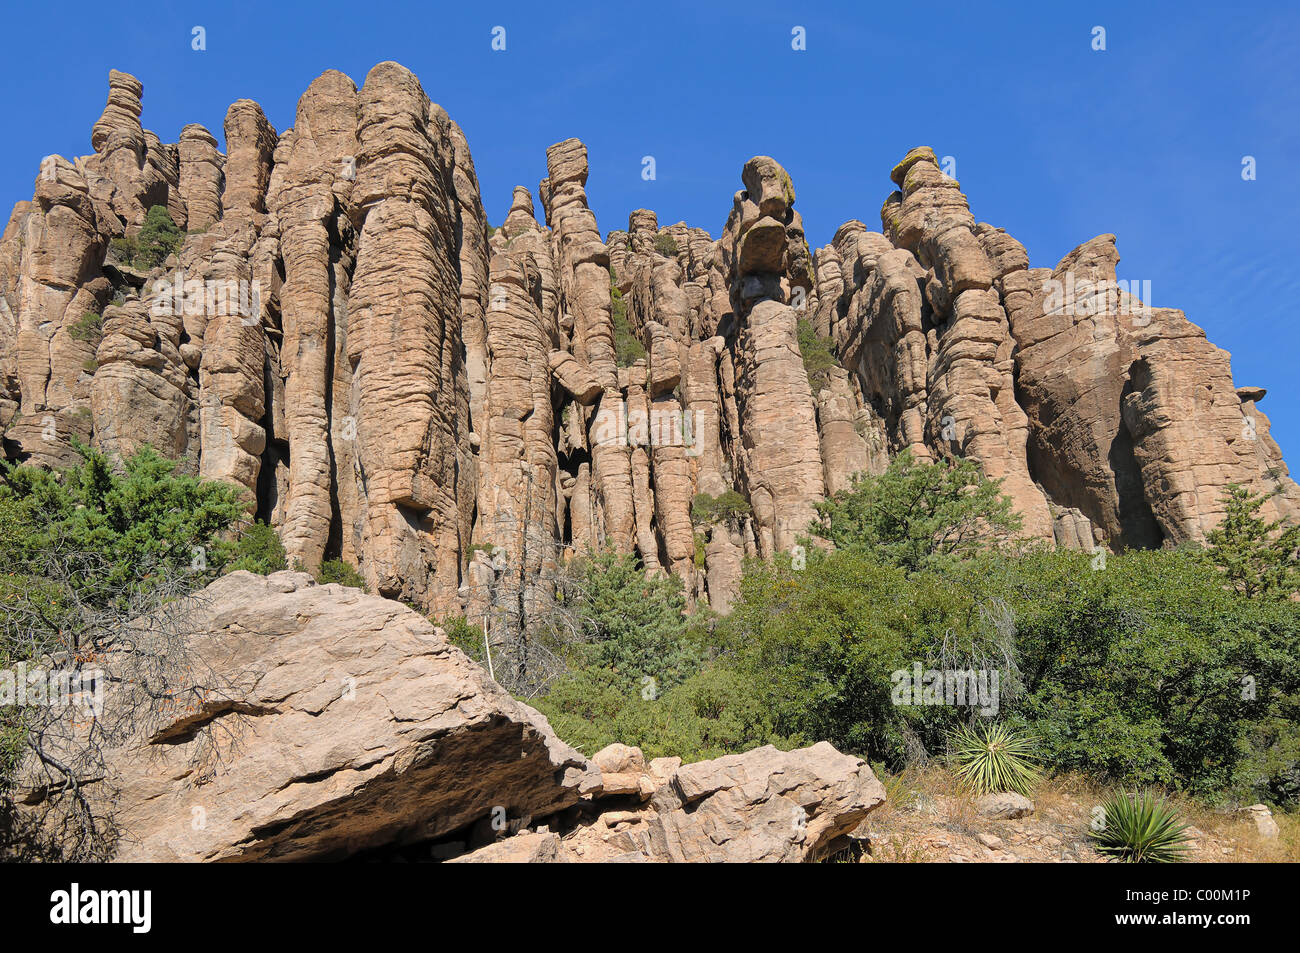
x=1259 y=558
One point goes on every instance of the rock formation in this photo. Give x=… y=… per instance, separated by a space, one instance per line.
x=401 y=386
x=766 y=260
x=763 y=806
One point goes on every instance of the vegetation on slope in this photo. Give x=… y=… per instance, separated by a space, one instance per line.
x=1148 y=672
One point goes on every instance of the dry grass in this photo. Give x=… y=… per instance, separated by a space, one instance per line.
x=1237 y=830
x=930 y=816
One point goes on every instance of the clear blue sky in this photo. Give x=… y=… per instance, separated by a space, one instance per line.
x=1055 y=142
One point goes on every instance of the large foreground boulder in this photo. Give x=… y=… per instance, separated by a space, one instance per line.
x=335 y=723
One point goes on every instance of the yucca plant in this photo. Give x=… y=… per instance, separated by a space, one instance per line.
x=1140 y=829
x=995 y=759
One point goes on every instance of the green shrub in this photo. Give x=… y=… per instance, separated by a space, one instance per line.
x=995 y=758
x=583 y=707
x=818 y=647
x=818 y=356
x=1140 y=829
x=466 y=637
x=13 y=742
x=1258 y=558
x=711 y=714
x=125 y=249
x=919 y=515
x=85 y=548
x=729 y=507
x=123 y=521
x=258 y=549
x=666 y=245
x=158 y=238
x=628 y=348
x=639 y=672
x=1148 y=672
x=633 y=626
x=342 y=572
x=87 y=327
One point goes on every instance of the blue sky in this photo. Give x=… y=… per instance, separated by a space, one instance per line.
x=1053 y=141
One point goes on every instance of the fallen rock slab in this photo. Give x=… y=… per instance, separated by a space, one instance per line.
x=344 y=722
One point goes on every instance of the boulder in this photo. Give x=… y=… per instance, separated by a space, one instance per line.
x=1264 y=823
x=763 y=806
x=528 y=848
x=336 y=722
x=575 y=377
x=1005 y=805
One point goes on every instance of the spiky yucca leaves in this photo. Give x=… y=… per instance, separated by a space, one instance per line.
x=1140 y=829
x=995 y=759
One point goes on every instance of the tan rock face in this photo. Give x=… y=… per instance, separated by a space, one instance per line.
x=778 y=451
x=1136 y=422
x=971 y=407
x=201 y=178
x=343 y=722
x=780 y=446
x=403 y=338
x=1082 y=404
x=141 y=393
x=518 y=464
x=339 y=335
x=250 y=144
x=312 y=207
x=125 y=174
x=850 y=444
x=53 y=247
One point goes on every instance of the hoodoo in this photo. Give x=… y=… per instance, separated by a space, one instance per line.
x=400 y=385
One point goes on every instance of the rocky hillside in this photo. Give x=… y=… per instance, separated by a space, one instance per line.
x=453 y=407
